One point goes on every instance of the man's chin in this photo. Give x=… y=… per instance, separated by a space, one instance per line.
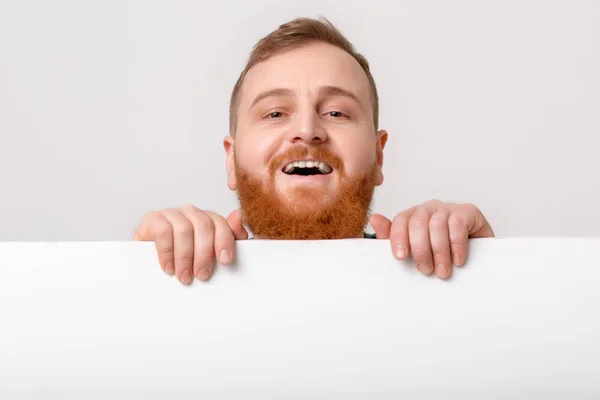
x=302 y=199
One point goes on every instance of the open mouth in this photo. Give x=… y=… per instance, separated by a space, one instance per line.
x=307 y=168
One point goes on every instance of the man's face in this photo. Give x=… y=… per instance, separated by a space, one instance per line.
x=309 y=104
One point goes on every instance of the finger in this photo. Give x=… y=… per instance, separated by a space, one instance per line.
x=183 y=244
x=477 y=225
x=144 y=231
x=459 y=236
x=399 y=239
x=155 y=227
x=204 y=237
x=440 y=243
x=224 y=245
x=418 y=233
x=237 y=227
x=381 y=225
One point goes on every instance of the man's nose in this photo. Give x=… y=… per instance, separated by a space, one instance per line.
x=307 y=128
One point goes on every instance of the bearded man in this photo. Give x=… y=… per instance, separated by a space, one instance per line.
x=304 y=154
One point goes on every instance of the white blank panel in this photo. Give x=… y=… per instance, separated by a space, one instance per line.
x=292 y=319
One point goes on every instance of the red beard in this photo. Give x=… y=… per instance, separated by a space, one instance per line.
x=308 y=212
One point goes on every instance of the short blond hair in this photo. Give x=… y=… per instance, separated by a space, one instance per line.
x=291 y=35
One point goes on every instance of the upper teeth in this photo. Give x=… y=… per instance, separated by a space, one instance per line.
x=324 y=168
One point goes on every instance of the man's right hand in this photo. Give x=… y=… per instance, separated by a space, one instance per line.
x=187 y=240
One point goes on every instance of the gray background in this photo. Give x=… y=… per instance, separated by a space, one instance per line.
x=109 y=109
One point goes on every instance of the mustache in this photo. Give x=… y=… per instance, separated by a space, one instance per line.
x=316 y=153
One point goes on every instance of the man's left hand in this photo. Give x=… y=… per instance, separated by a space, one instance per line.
x=435 y=233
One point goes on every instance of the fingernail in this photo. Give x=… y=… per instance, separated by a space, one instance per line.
x=185 y=277
x=425 y=269
x=400 y=251
x=169 y=268
x=203 y=274
x=224 y=256
x=441 y=271
x=457 y=259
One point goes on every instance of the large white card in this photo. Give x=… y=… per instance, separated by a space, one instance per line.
x=301 y=319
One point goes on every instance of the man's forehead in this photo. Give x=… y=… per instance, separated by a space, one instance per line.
x=306 y=69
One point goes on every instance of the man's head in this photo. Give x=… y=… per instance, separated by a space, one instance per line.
x=305 y=96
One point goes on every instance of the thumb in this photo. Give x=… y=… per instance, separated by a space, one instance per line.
x=381 y=225
x=235 y=223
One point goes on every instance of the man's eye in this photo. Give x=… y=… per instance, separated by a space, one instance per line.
x=275 y=114
x=336 y=114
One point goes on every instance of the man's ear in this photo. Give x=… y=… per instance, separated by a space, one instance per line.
x=229 y=145
x=382 y=137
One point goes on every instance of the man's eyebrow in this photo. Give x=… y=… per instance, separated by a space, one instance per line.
x=324 y=91
x=338 y=91
x=278 y=92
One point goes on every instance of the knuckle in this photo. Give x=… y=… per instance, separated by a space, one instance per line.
x=469 y=207
x=183 y=229
x=185 y=260
x=211 y=214
x=219 y=218
x=163 y=228
x=204 y=260
x=441 y=255
x=420 y=253
x=401 y=218
x=435 y=203
x=189 y=208
x=439 y=220
x=167 y=254
x=203 y=223
x=219 y=224
x=456 y=220
x=418 y=221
